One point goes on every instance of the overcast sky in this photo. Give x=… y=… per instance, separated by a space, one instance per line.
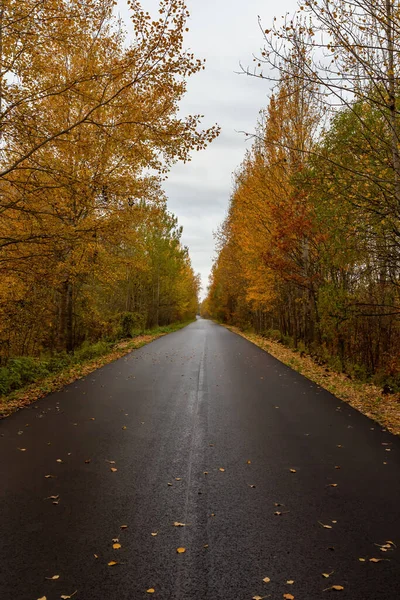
x=226 y=33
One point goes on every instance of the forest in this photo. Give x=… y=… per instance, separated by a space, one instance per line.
x=89 y=129
x=309 y=252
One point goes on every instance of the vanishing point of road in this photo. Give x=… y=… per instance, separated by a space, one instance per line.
x=273 y=478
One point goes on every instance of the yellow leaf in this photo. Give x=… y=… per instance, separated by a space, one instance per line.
x=113 y=469
x=112 y=563
x=123 y=526
x=22 y=449
x=124 y=427
x=290 y=582
x=42 y=598
x=95 y=555
x=181 y=550
x=49 y=476
x=54 y=577
x=177 y=524
x=169 y=483
x=338 y=588
x=257 y=598
x=288 y=596
x=92 y=419
x=205 y=472
x=252 y=486
x=325 y=526
x=333 y=485
x=116 y=546
x=221 y=469
x=66 y=597
x=150 y=591
x=266 y=580
x=154 y=533
x=375 y=560
x=178 y=478
x=361 y=559
x=293 y=470
x=249 y=462
x=59 y=460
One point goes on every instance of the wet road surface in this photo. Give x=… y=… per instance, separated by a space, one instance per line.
x=203 y=428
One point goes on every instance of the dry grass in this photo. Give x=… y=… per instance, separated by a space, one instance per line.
x=365 y=397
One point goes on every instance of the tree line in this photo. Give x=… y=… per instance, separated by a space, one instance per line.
x=89 y=128
x=309 y=253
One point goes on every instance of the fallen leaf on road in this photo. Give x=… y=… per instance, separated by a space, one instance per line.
x=252 y=486
x=332 y=485
x=111 y=462
x=42 y=598
x=59 y=460
x=205 y=546
x=169 y=483
x=66 y=597
x=92 y=419
x=221 y=469
x=96 y=555
x=249 y=462
x=154 y=533
x=50 y=476
x=113 y=469
x=258 y=597
x=181 y=550
x=124 y=427
x=87 y=461
x=116 y=546
x=339 y=446
x=266 y=580
x=325 y=526
x=375 y=560
x=205 y=472
x=337 y=588
x=290 y=582
x=337 y=467
x=53 y=578
x=53 y=497
x=178 y=478
x=22 y=449
x=123 y=526
x=326 y=575
x=361 y=559
x=293 y=470
x=177 y=524
x=288 y=596
x=112 y=563
x=150 y=591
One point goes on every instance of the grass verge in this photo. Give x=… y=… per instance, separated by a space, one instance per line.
x=365 y=397
x=30 y=393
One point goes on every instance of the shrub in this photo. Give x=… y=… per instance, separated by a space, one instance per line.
x=89 y=351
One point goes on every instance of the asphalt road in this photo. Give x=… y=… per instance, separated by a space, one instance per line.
x=198 y=400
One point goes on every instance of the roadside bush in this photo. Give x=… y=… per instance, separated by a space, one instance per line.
x=273 y=334
x=89 y=351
